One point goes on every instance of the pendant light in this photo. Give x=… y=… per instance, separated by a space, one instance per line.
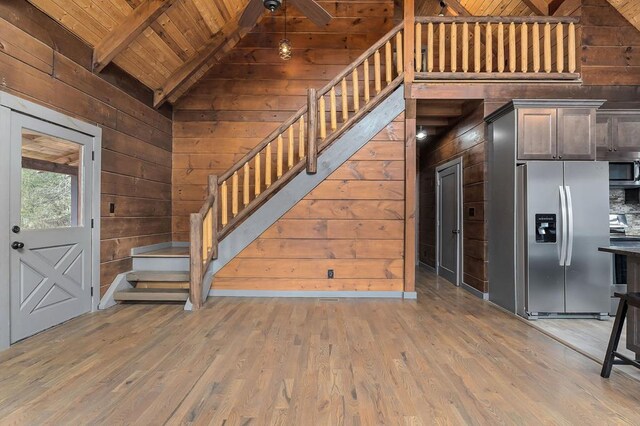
x=284 y=47
x=443 y=7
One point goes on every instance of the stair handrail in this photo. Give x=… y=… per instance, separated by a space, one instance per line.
x=211 y=223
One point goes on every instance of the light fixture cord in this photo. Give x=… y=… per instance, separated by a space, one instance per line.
x=285 y=19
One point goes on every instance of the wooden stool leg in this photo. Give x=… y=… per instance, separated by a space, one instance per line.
x=614 y=339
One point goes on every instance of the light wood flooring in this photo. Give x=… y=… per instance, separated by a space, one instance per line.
x=448 y=358
x=588 y=336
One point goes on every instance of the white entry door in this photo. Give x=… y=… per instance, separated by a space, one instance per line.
x=50 y=202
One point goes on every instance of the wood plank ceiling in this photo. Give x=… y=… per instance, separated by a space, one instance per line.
x=168 y=45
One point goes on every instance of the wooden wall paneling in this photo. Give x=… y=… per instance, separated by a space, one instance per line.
x=352 y=223
x=136 y=157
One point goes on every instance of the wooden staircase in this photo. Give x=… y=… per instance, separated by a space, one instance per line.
x=159 y=275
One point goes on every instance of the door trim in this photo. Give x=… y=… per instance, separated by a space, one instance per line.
x=9 y=103
x=458 y=161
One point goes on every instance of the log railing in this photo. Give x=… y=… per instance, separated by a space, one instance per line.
x=292 y=147
x=527 y=48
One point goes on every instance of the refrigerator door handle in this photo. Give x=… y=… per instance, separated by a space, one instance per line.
x=563 y=233
x=569 y=226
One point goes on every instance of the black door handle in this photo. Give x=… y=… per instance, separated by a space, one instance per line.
x=17 y=245
x=455 y=231
x=15 y=229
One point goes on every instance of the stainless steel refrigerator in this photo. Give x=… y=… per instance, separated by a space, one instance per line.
x=563 y=217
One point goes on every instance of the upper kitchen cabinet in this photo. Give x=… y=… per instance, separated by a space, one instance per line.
x=556 y=130
x=618 y=134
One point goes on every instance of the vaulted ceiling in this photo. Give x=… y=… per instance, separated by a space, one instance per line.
x=168 y=45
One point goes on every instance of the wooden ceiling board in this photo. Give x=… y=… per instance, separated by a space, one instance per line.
x=630 y=9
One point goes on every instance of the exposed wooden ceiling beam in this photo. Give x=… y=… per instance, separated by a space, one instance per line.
x=539 y=7
x=122 y=35
x=222 y=42
x=457 y=7
x=564 y=7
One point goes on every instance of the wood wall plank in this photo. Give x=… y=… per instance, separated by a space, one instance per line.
x=136 y=157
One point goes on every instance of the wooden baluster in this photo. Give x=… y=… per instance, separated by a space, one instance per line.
x=268 y=158
x=536 y=47
x=206 y=230
x=376 y=71
x=430 y=47
x=572 y=47
x=388 y=62
x=399 y=62
x=301 y=139
x=345 y=100
x=245 y=184
x=332 y=109
x=560 y=47
x=279 y=157
x=213 y=191
x=366 y=83
x=291 y=148
x=524 y=47
x=465 y=47
x=477 y=54
x=454 y=47
x=356 y=90
x=512 y=47
x=234 y=194
x=418 y=47
x=224 y=207
x=312 y=140
x=257 y=173
x=441 y=50
x=489 y=49
x=500 y=47
x=323 y=118
x=547 y=47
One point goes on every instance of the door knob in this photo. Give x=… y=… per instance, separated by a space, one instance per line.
x=15 y=229
x=17 y=245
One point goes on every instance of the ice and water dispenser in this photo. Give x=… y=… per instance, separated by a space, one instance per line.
x=546 y=228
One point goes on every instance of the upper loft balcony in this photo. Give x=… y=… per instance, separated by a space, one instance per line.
x=492 y=49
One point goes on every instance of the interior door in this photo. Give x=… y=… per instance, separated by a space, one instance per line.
x=50 y=203
x=449 y=223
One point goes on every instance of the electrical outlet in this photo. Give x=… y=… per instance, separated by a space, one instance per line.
x=330 y=274
x=112 y=208
x=472 y=211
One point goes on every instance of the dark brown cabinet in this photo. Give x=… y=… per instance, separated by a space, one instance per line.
x=618 y=134
x=557 y=133
x=537 y=135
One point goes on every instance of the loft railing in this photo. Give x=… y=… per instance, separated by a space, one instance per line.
x=479 y=48
x=291 y=148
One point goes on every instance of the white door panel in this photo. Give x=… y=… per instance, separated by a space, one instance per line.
x=51 y=182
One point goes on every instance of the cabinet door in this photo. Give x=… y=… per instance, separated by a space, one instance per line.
x=576 y=134
x=537 y=134
x=626 y=133
x=603 y=133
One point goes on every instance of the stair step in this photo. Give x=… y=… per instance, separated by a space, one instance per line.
x=158 y=276
x=151 y=295
x=166 y=252
x=162 y=284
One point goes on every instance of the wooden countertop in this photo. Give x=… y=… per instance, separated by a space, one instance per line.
x=625 y=251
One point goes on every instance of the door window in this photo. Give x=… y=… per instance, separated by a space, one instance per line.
x=51 y=193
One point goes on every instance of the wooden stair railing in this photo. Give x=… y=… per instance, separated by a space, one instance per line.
x=491 y=47
x=291 y=148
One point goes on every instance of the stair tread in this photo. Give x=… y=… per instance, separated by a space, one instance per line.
x=166 y=252
x=166 y=276
x=152 y=294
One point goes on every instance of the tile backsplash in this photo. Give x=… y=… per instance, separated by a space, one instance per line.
x=632 y=210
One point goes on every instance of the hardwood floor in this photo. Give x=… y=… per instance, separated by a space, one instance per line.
x=447 y=358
